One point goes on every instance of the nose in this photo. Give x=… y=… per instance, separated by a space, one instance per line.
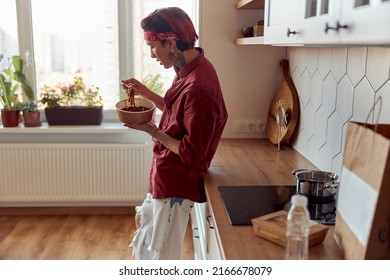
x=152 y=54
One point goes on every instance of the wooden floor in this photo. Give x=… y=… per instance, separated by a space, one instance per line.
x=71 y=237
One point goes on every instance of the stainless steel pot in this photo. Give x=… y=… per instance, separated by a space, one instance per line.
x=320 y=185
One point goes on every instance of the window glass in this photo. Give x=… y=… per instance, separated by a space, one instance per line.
x=8 y=32
x=77 y=37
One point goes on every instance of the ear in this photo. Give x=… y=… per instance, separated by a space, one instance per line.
x=172 y=43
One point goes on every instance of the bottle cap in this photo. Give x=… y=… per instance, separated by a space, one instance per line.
x=299 y=200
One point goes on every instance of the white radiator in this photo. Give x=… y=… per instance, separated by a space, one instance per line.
x=75 y=174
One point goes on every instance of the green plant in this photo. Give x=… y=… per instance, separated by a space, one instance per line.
x=30 y=106
x=13 y=83
x=153 y=83
x=72 y=94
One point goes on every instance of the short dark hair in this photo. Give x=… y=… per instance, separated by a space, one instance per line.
x=172 y=19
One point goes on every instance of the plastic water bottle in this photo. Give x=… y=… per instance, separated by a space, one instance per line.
x=297 y=234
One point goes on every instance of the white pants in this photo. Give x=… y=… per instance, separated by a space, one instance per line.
x=163 y=226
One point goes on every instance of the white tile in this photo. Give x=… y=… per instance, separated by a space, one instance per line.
x=344 y=136
x=344 y=101
x=339 y=62
x=311 y=150
x=302 y=60
x=324 y=159
x=312 y=60
x=292 y=54
x=299 y=142
x=337 y=164
x=296 y=77
x=378 y=61
x=356 y=65
x=305 y=88
x=316 y=90
x=329 y=95
x=307 y=121
x=334 y=134
x=320 y=123
x=363 y=102
x=383 y=109
x=324 y=61
x=308 y=149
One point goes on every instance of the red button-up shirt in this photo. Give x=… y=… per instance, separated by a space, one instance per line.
x=195 y=114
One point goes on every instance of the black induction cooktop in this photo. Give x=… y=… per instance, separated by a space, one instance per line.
x=243 y=203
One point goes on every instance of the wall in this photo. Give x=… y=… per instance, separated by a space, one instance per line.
x=250 y=74
x=336 y=85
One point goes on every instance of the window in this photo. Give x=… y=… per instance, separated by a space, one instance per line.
x=99 y=39
x=8 y=32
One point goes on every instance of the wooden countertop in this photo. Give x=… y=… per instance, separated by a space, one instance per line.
x=255 y=162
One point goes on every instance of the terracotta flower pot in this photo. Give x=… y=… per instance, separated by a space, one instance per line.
x=10 y=118
x=32 y=119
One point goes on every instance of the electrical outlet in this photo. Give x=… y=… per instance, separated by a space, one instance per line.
x=249 y=126
x=260 y=126
x=239 y=126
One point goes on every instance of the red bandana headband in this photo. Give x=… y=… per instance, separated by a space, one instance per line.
x=155 y=36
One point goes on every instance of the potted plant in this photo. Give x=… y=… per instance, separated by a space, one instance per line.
x=72 y=104
x=13 y=84
x=31 y=114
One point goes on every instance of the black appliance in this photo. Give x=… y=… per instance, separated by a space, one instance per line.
x=243 y=203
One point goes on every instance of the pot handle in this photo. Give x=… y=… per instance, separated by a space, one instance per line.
x=331 y=186
x=294 y=172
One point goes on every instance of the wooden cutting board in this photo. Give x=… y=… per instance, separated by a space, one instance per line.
x=286 y=99
x=273 y=227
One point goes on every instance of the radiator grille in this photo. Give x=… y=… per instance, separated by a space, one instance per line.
x=101 y=173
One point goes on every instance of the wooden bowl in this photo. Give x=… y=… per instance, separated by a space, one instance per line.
x=135 y=117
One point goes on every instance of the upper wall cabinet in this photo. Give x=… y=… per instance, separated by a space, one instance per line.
x=327 y=22
x=368 y=22
x=281 y=22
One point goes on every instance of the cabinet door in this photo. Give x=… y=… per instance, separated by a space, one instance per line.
x=368 y=22
x=198 y=225
x=214 y=247
x=317 y=21
x=280 y=22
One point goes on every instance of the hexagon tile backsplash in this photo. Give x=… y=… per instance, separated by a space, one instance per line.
x=336 y=85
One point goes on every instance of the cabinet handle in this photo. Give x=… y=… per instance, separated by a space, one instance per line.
x=197 y=232
x=289 y=32
x=208 y=222
x=337 y=28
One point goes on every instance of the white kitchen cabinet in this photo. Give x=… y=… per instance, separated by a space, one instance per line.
x=206 y=242
x=317 y=21
x=281 y=22
x=198 y=225
x=214 y=246
x=368 y=22
x=327 y=22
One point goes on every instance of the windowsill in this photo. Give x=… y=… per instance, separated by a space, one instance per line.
x=109 y=125
x=105 y=127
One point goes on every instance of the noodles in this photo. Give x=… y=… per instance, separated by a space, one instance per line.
x=132 y=108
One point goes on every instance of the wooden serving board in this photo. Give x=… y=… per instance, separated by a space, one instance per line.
x=273 y=227
x=286 y=98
